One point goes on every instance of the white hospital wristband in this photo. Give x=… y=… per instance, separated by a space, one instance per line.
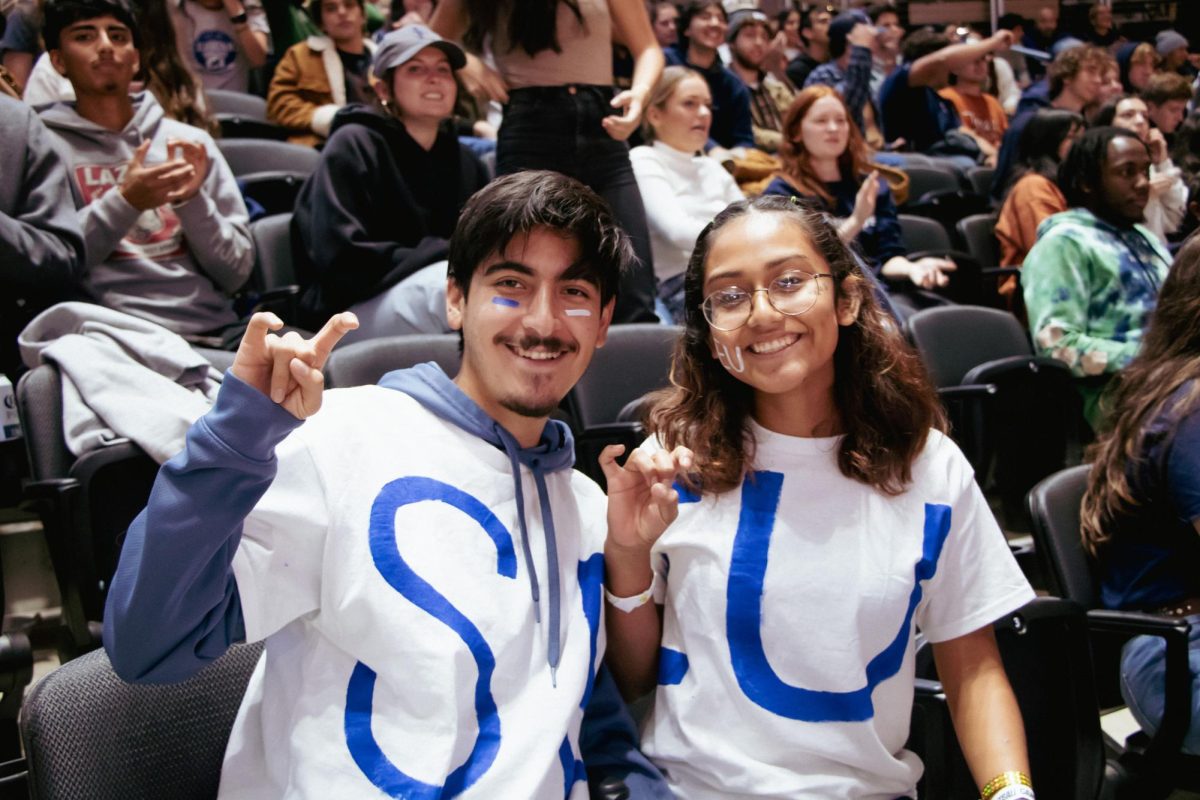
x=628 y=604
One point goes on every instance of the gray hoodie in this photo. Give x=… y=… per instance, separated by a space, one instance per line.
x=40 y=246
x=175 y=265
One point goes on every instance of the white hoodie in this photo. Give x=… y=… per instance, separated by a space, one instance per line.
x=175 y=265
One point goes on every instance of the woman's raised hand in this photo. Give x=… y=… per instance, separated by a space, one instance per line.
x=642 y=501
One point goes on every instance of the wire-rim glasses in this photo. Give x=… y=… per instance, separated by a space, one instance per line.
x=792 y=294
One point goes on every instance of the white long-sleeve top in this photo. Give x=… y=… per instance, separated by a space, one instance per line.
x=1165 y=211
x=682 y=192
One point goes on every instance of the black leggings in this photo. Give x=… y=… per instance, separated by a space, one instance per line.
x=558 y=128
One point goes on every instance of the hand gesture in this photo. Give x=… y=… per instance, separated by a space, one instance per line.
x=1157 y=145
x=288 y=368
x=864 y=201
x=483 y=81
x=193 y=153
x=620 y=127
x=150 y=187
x=641 y=499
x=930 y=273
x=776 y=59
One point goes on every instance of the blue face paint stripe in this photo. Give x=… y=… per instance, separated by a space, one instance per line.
x=507 y=302
x=672 y=666
x=360 y=691
x=743 y=617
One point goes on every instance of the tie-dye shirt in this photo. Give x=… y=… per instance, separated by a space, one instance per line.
x=1089 y=290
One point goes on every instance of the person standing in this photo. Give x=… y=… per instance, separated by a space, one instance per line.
x=554 y=60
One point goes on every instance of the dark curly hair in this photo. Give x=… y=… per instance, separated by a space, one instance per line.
x=881 y=389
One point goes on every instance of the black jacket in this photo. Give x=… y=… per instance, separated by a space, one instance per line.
x=378 y=208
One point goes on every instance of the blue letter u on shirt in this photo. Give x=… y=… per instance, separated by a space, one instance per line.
x=743 y=614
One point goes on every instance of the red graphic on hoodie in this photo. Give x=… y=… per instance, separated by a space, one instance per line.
x=157 y=234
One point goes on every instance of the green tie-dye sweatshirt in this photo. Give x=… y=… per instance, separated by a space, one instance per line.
x=1089 y=290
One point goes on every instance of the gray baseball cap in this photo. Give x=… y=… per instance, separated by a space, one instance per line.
x=402 y=44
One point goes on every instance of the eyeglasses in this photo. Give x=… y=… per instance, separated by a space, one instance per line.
x=792 y=294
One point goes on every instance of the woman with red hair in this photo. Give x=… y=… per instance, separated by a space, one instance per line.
x=826 y=164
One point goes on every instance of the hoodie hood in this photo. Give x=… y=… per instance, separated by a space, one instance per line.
x=147 y=117
x=370 y=116
x=555 y=450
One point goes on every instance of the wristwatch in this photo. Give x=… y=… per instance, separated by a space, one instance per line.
x=239 y=19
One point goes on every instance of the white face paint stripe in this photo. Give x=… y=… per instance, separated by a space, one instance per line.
x=727 y=361
x=578 y=312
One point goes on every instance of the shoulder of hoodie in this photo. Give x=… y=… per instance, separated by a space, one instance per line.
x=365 y=413
x=1082 y=227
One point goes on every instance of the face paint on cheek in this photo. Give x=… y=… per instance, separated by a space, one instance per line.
x=578 y=312
x=506 y=302
x=734 y=362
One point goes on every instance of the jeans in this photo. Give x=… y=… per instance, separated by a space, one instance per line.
x=558 y=128
x=1143 y=670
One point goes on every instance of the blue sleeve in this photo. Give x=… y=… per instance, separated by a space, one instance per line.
x=891 y=101
x=1183 y=468
x=889 y=241
x=173 y=605
x=743 y=127
x=608 y=741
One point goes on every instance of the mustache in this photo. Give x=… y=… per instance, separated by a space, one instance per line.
x=551 y=344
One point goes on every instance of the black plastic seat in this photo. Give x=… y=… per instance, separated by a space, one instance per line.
x=1044 y=646
x=1010 y=411
x=1156 y=764
x=89 y=734
x=223 y=101
x=364 y=363
x=248 y=156
x=85 y=504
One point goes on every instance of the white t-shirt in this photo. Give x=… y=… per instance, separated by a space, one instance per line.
x=682 y=193
x=208 y=43
x=365 y=527
x=790 y=604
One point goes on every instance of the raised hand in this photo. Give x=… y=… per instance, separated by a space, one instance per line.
x=287 y=368
x=193 y=153
x=150 y=187
x=641 y=499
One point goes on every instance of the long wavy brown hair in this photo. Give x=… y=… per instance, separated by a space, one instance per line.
x=1169 y=358
x=853 y=163
x=883 y=395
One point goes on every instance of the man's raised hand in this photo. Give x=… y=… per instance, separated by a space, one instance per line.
x=287 y=368
x=641 y=499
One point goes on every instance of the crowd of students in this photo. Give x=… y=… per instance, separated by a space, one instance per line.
x=502 y=170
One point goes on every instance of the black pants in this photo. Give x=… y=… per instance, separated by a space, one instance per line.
x=558 y=128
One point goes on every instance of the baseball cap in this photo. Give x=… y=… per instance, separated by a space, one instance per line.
x=400 y=45
x=743 y=17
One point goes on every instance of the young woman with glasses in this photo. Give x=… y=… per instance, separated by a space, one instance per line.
x=807 y=515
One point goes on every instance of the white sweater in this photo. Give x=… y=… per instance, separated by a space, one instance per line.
x=682 y=193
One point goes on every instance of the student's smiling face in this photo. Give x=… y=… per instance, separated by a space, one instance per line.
x=530 y=324
x=776 y=353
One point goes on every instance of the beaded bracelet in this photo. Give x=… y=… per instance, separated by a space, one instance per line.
x=992 y=790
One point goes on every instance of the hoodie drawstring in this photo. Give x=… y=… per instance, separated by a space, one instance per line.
x=552 y=559
x=510 y=448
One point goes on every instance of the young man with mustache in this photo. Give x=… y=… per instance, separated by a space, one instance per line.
x=423 y=564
